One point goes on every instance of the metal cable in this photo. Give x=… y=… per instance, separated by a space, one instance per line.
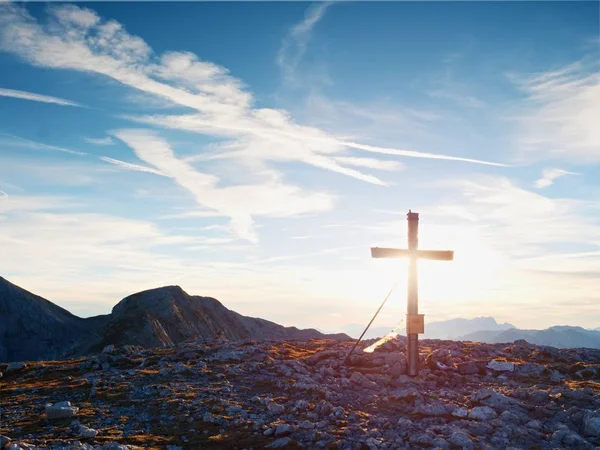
x=376 y=313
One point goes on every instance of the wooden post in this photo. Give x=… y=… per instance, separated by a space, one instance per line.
x=412 y=305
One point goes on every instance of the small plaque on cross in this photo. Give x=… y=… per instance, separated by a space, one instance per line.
x=415 y=323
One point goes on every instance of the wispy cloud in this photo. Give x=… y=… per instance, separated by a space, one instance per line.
x=294 y=44
x=521 y=222
x=239 y=202
x=12 y=140
x=130 y=166
x=36 y=97
x=549 y=175
x=224 y=107
x=100 y=141
x=78 y=39
x=369 y=163
x=560 y=114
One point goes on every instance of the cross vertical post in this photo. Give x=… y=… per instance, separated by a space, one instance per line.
x=412 y=305
x=415 y=324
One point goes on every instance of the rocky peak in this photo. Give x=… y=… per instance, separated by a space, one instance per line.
x=151 y=300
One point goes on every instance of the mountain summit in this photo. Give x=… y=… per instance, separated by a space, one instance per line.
x=36 y=328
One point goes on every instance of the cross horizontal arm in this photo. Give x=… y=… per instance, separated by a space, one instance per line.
x=436 y=255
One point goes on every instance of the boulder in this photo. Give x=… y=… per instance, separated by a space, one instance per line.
x=461 y=440
x=482 y=413
x=501 y=366
x=461 y=412
x=275 y=408
x=283 y=429
x=15 y=367
x=86 y=432
x=61 y=410
x=591 y=426
x=4 y=441
x=281 y=443
x=109 y=349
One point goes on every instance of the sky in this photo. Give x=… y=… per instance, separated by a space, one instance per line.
x=254 y=152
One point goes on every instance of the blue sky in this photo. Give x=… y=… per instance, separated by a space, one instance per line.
x=255 y=151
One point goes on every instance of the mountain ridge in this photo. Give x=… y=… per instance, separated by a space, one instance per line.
x=39 y=329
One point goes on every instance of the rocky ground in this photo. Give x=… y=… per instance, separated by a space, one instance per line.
x=252 y=394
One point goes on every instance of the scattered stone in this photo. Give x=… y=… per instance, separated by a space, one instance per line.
x=284 y=396
x=592 y=426
x=109 y=349
x=284 y=429
x=86 y=432
x=15 y=367
x=501 y=366
x=4 y=441
x=460 y=412
x=61 y=410
x=482 y=413
x=280 y=443
x=275 y=408
x=462 y=440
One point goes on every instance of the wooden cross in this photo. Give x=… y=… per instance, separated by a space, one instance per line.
x=415 y=323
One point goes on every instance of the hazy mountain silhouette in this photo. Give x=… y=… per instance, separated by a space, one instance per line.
x=447 y=329
x=34 y=328
x=455 y=328
x=557 y=336
x=486 y=329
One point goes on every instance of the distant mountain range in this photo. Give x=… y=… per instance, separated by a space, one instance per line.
x=448 y=329
x=557 y=336
x=33 y=328
x=486 y=329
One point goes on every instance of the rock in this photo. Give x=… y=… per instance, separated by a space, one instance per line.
x=462 y=440
x=482 y=413
x=361 y=380
x=501 y=366
x=109 y=349
x=534 y=425
x=338 y=412
x=4 y=441
x=569 y=438
x=307 y=425
x=61 y=410
x=86 y=432
x=283 y=429
x=280 y=443
x=275 y=408
x=481 y=394
x=15 y=367
x=460 y=412
x=421 y=439
x=533 y=370
x=468 y=368
x=399 y=368
x=433 y=410
x=405 y=394
x=591 y=426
